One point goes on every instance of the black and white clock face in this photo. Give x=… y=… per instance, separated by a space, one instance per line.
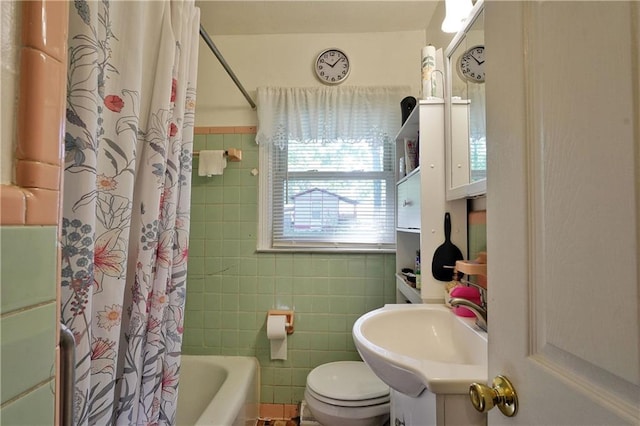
x=332 y=66
x=471 y=64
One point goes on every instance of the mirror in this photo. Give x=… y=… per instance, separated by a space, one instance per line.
x=465 y=116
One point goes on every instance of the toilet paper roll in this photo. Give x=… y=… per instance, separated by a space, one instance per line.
x=428 y=66
x=277 y=335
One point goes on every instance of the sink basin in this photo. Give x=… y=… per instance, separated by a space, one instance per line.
x=413 y=347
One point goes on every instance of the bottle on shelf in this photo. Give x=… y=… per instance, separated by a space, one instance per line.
x=418 y=272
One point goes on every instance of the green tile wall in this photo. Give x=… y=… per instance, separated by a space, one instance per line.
x=28 y=266
x=34 y=409
x=230 y=287
x=477 y=238
x=28 y=324
x=28 y=343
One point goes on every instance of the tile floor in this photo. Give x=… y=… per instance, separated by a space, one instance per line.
x=267 y=422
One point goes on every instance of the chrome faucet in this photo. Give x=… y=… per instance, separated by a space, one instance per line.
x=479 y=311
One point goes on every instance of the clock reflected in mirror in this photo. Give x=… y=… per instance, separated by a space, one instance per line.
x=332 y=66
x=471 y=64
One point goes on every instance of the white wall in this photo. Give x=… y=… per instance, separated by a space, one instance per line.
x=391 y=58
x=434 y=34
x=9 y=37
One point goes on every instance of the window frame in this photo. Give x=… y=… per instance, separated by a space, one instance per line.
x=266 y=197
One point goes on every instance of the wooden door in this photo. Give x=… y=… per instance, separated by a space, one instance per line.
x=563 y=209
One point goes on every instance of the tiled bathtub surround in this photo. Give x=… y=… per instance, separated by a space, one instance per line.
x=231 y=287
x=29 y=254
x=28 y=324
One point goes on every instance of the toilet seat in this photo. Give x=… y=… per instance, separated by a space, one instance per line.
x=331 y=414
x=347 y=384
x=344 y=403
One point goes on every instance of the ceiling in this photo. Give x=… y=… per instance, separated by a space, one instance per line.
x=242 y=17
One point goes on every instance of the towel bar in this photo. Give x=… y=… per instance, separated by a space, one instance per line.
x=232 y=154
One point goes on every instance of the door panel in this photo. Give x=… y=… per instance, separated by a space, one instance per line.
x=563 y=209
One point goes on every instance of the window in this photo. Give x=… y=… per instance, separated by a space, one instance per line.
x=335 y=192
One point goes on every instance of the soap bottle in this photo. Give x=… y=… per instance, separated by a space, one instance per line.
x=418 y=274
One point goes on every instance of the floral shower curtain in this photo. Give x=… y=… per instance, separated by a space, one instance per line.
x=128 y=144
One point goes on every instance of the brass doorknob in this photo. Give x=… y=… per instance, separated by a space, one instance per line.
x=502 y=394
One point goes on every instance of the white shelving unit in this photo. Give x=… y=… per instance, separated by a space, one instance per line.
x=408 y=218
x=421 y=204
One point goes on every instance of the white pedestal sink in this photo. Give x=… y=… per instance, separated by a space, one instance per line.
x=413 y=347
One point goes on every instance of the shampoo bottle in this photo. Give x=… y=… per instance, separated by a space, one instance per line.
x=418 y=274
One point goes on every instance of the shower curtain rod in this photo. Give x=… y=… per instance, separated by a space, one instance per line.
x=214 y=49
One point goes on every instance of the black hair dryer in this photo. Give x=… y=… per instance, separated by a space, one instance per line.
x=406 y=106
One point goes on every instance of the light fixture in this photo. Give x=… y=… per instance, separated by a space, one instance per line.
x=456 y=12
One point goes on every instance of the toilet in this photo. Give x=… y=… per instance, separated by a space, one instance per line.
x=347 y=393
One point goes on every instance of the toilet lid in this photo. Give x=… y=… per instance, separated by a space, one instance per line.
x=346 y=381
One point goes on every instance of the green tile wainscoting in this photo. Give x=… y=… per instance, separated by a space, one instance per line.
x=28 y=324
x=477 y=223
x=230 y=287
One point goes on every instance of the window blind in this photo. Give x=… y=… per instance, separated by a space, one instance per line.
x=334 y=194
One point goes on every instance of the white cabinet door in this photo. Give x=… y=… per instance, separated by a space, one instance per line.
x=459 y=165
x=409 y=202
x=563 y=209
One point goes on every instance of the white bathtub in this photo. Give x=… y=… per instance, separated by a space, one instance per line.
x=218 y=391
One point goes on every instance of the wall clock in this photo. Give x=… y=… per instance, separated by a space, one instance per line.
x=471 y=64
x=332 y=66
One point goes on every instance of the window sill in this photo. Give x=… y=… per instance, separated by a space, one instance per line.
x=326 y=250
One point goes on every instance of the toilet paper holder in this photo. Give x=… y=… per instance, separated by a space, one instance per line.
x=289 y=320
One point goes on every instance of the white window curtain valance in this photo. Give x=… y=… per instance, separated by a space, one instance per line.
x=320 y=114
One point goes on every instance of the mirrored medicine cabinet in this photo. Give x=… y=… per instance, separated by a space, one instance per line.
x=465 y=113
